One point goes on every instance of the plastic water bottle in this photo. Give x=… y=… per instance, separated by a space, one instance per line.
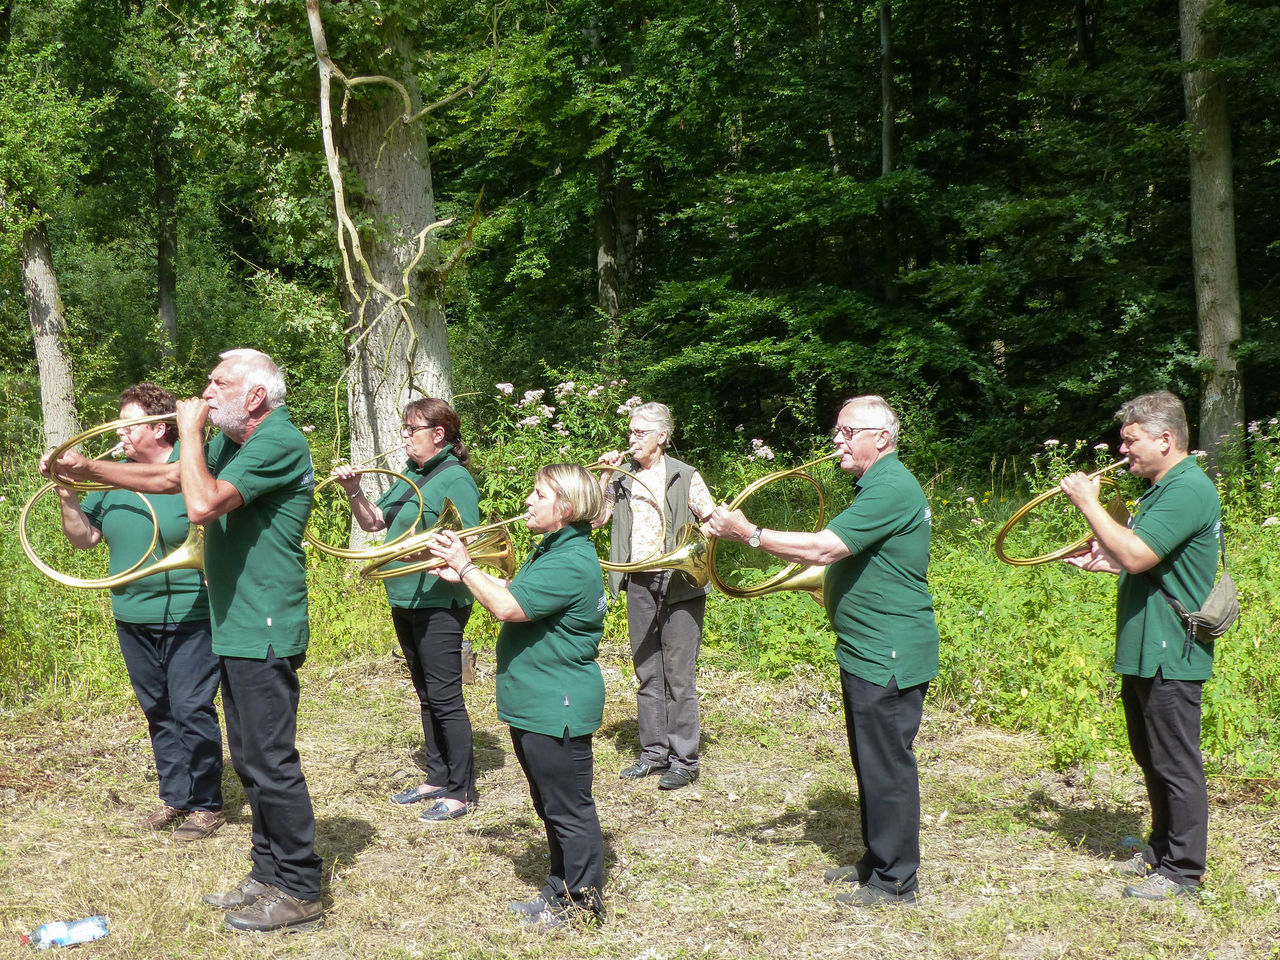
x=60 y=933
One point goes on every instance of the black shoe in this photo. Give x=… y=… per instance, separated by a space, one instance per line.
x=423 y=791
x=245 y=893
x=275 y=910
x=675 y=779
x=854 y=873
x=442 y=811
x=869 y=896
x=641 y=769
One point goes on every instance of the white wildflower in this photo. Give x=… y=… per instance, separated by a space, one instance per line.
x=628 y=405
x=565 y=389
x=1102 y=447
x=309 y=428
x=1271 y=521
x=1052 y=443
x=970 y=500
x=529 y=422
x=505 y=388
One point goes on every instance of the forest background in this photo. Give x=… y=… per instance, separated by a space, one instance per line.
x=748 y=210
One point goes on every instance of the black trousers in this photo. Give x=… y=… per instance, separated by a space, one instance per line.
x=174 y=674
x=1163 y=717
x=260 y=698
x=882 y=723
x=559 y=771
x=431 y=638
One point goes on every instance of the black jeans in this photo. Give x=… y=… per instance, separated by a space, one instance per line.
x=260 y=698
x=431 y=638
x=559 y=771
x=174 y=674
x=882 y=723
x=1163 y=717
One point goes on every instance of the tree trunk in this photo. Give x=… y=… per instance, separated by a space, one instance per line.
x=608 y=290
x=888 y=155
x=49 y=328
x=397 y=341
x=398 y=347
x=166 y=256
x=1213 y=238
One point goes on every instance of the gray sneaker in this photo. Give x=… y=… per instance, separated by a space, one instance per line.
x=1158 y=887
x=1135 y=866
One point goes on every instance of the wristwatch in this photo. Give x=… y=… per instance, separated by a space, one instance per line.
x=754 y=539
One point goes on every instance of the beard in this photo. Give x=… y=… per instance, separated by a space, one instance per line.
x=231 y=419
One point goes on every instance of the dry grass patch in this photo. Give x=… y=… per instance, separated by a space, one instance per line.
x=1015 y=854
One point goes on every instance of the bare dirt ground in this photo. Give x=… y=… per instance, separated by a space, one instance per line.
x=1016 y=855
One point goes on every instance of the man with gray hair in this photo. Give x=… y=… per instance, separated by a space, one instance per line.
x=1169 y=549
x=876 y=593
x=252 y=491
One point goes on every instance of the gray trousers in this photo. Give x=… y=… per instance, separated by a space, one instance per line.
x=665 y=639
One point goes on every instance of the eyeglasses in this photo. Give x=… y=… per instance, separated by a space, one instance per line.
x=407 y=430
x=846 y=433
x=639 y=434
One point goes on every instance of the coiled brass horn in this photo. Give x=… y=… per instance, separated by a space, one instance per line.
x=689 y=554
x=490 y=545
x=369 y=554
x=1116 y=508
x=789 y=577
x=189 y=555
x=111 y=426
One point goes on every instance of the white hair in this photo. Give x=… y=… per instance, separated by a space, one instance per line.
x=659 y=414
x=258 y=370
x=879 y=409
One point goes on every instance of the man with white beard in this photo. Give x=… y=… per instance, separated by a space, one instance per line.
x=252 y=490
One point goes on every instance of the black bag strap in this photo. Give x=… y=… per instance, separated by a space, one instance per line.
x=1183 y=613
x=390 y=511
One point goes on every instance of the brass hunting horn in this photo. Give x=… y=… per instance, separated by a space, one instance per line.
x=188 y=556
x=1116 y=508
x=368 y=554
x=688 y=555
x=111 y=426
x=794 y=576
x=490 y=545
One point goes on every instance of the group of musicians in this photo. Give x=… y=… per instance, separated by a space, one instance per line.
x=245 y=628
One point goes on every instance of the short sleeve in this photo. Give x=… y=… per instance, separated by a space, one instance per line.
x=876 y=513
x=1170 y=521
x=700 y=500
x=543 y=588
x=262 y=467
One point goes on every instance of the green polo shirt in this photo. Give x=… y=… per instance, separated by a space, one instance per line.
x=253 y=559
x=399 y=506
x=548 y=680
x=1180 y=519
x=174 y=597
x=878 y=597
